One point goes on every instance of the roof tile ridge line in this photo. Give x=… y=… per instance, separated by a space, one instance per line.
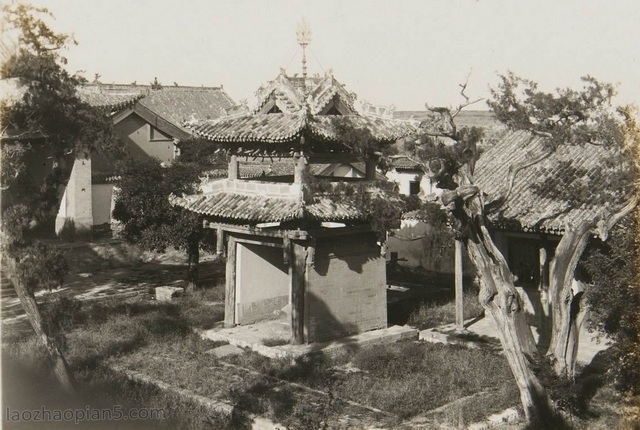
x=193 y=125
x=228 y=97
x=263 y=95
x=169 y=88
x=178 y=125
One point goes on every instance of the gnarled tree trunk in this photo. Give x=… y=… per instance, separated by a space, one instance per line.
x=567 y=303
x=500 y=299
x=28 y=301
x=193 y=256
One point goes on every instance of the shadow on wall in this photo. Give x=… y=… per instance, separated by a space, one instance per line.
x=323 y=323
x=350 y=252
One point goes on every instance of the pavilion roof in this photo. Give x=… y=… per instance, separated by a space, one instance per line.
x=278 y=128
x=292 y=93
x=254 y=208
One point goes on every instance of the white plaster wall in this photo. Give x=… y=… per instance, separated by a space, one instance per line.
x=262 y=282
x=76 y=201
x=403 y=179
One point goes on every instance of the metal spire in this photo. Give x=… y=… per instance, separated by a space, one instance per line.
x=304 y=38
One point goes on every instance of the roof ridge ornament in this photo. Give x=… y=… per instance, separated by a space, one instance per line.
x=303 y=34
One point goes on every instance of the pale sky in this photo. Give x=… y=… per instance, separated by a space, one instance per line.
x=403 y=53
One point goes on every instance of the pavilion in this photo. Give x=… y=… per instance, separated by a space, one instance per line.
x=312 y=257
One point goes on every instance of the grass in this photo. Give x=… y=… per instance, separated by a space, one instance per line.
x=143 y=333
x=435 y=314
x=157 y=339
x=406 y=379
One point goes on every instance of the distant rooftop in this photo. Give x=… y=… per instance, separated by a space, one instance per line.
x=175 y=104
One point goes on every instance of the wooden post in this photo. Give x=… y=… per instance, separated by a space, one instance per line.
x=230 y=285
x=543 y=287
x=297 y=279
x=219 y=241
x=233 y=167
x=458 y=281
x=300 y=169
x=370 y=169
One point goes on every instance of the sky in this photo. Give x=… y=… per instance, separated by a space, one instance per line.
x=402 y=53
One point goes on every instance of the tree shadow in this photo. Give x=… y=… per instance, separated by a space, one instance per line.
x=275 y=391
x=351 y=252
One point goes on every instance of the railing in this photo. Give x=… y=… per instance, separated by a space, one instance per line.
x=240 y=186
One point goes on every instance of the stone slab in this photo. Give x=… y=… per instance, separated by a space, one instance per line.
x=166 y=294
x=251 y=337
x=225 y=350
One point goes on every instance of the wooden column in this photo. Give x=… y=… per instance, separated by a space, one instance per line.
x=230 y=285
x=543 y=286
x=459 y=289
x=370 y=169
x=233 y=167
x=297 y=278
x=300 y=169
x=219 y=241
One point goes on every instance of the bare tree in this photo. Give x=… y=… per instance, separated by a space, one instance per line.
x=566 y=118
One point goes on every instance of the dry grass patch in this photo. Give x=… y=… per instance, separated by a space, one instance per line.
x=430 y=315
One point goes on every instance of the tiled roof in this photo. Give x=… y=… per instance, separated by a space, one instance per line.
x=178 y=105
x=531 y=209
x=291 y=93
x=282 y=127
x=175 y=104
x=109 y=100
x=255 y=208
x=404 y=162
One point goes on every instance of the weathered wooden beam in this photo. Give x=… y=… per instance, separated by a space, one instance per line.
x=230 y=284
x=370 y=169
x=297 y=270
x=219 y=240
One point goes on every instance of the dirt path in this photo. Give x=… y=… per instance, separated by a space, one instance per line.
x=111 y=269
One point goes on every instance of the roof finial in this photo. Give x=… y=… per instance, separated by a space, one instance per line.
x=304 y=38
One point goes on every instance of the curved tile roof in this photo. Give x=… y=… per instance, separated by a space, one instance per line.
x=180 y=104
x=109 y=101
x=256 y=208
x=283 y=127
x=534 y=204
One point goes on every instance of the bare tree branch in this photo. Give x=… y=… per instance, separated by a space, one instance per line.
x=514 y=169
